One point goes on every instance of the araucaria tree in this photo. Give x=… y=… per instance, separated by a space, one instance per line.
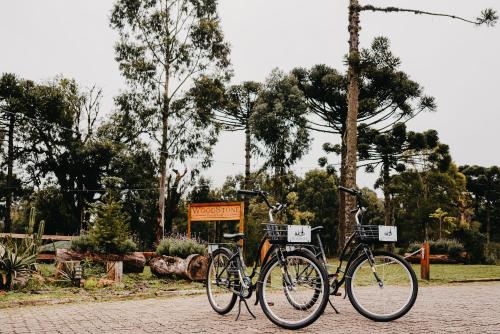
x=387 y=95
x=280 y=126
x=484 y=185
x=163 y=45
x=488 y=17
x=233 y=109
x=396 y=149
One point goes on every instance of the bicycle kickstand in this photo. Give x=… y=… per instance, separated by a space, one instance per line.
x=336 y=311
x=239 y=308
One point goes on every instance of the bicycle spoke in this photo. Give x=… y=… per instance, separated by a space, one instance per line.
x=388 y=298
x=298 y=300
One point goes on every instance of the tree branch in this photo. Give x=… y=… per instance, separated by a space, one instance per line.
x=488 y=16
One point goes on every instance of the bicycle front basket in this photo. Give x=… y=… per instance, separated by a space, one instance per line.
x=287 y=234
x=377 y=233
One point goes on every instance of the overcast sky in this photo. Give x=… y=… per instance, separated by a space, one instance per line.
x=457 y=63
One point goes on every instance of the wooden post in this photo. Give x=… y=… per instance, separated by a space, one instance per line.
x=189 y=221
x=264 y=250
x=115 y=270
x=242 y=221
x=425 y=261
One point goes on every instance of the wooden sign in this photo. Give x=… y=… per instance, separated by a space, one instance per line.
x=215 y=211
x=220 y=211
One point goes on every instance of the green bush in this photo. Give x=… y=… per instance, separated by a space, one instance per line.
x=109 y=234
x=180 y=247
x=49 y=248
x=90 y=284
x=83 y=244
x=492 y=253
x=474 y=243
x=451 y=247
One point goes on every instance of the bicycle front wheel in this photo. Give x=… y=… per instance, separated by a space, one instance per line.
x=293 y=293
x=382 y=290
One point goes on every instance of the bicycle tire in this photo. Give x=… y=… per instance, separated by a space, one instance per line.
x=273 y=262
x=232 y=301
x=363 y=309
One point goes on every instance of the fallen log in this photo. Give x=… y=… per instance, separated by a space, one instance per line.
x=193 y=268
x=438 y=258
x=132 y=263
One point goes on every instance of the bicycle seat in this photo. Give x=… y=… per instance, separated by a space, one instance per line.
x=317 y=229
x=234 y=237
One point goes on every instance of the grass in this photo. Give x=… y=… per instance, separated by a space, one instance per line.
x=448 y=273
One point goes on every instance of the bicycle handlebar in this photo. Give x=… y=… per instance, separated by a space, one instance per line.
x=276 y=208
x=256 y=193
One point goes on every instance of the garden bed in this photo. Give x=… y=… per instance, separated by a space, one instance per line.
x=133 y=286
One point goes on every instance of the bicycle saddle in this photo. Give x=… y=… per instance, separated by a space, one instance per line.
x=234 y=237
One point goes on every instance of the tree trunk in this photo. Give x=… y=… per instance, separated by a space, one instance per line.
x=351 y=136
x=440 y=226
x=10 y=165
x=342 y=196
x=387 y=195
x=248 y=156
x=488 y=225
x=193 y=268
x=387 y=202
x=160 y=230
x=132 y=263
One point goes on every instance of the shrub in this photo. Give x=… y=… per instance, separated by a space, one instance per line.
x=83 y=244
x=109 y=232
x=172 y=246
x=13 y=262
x=492 y=253
x=451 y=247
x=90 y=284
x=49 y=248
x=475 y=244
x=18 y=257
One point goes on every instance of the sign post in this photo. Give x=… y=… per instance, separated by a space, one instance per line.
x=220 y=211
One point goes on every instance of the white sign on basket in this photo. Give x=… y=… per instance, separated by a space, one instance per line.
x=387 y=233
x=299 y=233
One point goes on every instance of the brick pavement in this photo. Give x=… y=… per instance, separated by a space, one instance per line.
x=465 y=308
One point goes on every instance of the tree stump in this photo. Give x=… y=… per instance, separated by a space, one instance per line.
x=114 y=270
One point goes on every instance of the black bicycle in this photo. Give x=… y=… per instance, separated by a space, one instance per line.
x=381 y=286
x=292 y=286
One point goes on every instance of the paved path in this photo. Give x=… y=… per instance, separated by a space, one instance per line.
x=466 y=308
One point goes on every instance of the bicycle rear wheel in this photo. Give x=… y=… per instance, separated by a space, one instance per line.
x=388 y=298
x=221 y=281
x=293 y=294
